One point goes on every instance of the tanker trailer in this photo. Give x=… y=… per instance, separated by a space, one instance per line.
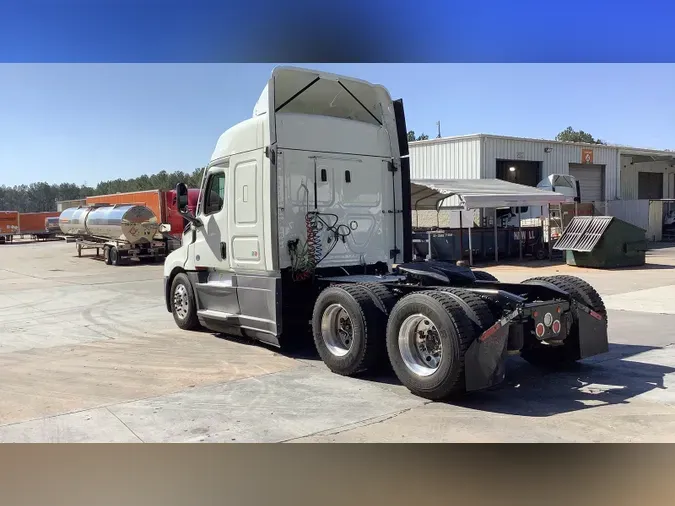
x=122 y=231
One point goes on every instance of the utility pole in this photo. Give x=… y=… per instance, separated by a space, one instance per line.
x=438 y=124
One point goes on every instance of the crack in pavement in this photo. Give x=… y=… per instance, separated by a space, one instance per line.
x=366 y=422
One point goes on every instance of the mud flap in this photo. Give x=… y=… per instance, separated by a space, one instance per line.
x=484 y=361
x=593 y=338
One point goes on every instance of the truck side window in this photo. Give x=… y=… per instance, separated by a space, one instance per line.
x=215 y=193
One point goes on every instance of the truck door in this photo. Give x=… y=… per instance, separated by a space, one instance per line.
x=215 y=291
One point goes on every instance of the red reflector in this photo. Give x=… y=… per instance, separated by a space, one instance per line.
x=558 y=310
x=595 y=315
x=540 y=330
x=201 y=268
x=556 y=327
x=489 y=332
x=535 y=314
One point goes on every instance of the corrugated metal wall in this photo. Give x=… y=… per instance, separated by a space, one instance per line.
x=655 y=230
x=446 y=159
x=629 y=177
x=464 y=158
x=635 y=212
x=555 y=162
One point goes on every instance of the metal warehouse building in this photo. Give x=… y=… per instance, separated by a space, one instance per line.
x=606 y=173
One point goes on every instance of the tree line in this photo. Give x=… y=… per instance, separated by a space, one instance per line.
x=39 y=197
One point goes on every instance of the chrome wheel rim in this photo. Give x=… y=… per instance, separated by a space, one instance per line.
x=181 y=302
x=337 y=330
x=420 y=345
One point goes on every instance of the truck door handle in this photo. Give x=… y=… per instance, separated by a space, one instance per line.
x=223 y=250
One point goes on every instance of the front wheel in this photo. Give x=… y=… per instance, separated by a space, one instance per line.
x=427 y=338
x=183 y=305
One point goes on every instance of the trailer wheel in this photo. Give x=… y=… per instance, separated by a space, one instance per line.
x=348 y=329
x=427 y=337
x=114 y=255
x=484 y=276
x=556 y=356
x=106 y=255
x=183 y=305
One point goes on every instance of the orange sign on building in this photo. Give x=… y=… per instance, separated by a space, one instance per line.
x=586 y=156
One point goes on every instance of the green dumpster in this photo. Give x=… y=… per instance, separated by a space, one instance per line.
x=603 y=242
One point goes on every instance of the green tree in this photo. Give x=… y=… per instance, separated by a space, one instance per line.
x=412 y=137
x=42 y=196
x=571 y=135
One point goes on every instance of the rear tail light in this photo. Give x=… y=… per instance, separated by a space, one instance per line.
x=556 y=327
x=548 y=319
x=540 y=330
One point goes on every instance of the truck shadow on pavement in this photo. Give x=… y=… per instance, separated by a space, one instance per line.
x=612 y=378
x=601 y=381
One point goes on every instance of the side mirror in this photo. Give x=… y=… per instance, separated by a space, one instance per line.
x=182 y=204
x=182 y=197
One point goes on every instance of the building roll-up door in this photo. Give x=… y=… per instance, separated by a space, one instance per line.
x=591 y=181
x=650 y=185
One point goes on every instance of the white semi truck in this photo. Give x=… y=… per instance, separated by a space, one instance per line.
x=305 y=222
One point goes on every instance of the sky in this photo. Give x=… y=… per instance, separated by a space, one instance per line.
x=84 y=123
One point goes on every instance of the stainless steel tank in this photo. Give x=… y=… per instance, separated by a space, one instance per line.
x=129 y=223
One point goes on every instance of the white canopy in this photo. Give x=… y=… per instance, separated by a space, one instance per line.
x=427 y=194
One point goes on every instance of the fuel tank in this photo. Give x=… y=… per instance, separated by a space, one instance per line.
x=129 y=223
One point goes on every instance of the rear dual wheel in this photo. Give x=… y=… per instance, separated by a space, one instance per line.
x=425 y=334
x=348 y=328
x=428 y=335
x=111 y=255
x=567 y=353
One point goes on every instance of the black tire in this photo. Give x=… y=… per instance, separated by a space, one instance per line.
x=589 y=295
x=114 y=255
x=383 y=296
x=484 y=276
x=568 y=353
x=455 y=331
x=485 y=315
x=368 y=324
x=385 y=299
x=106 y=255
x=189 y=321
x=540 y=254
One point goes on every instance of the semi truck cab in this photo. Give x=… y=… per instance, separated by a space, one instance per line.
x=304 y=222
x=311 y=181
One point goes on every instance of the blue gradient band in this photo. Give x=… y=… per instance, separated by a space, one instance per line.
x=310 y=31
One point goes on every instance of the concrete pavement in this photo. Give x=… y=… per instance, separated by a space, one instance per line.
x=89 y=353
